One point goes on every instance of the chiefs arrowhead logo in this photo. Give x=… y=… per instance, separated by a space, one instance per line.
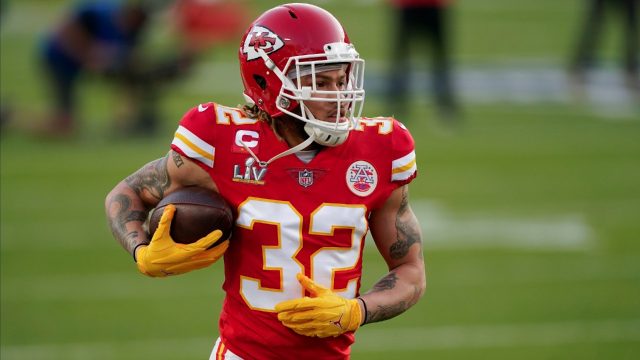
x=260 y=38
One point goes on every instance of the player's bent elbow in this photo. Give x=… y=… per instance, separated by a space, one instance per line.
x=420 y=281
x=421 y=287
x=108 y=199
x=112 y=197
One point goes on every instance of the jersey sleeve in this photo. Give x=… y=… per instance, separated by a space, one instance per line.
x=403 y=164
x=195 y=136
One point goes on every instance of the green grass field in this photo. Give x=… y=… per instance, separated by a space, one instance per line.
x=530 y=213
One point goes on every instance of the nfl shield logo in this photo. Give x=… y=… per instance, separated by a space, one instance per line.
x=305 y=178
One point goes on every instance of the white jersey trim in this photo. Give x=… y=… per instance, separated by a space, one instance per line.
x=404 y=167
x=193 y=146
x=220 y=352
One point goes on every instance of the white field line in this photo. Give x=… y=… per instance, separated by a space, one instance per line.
x=118 y=286
x=441 y=229
x=95 y=287
x=499 y=335
x=514 y=82
x=444 y=230
x=371 y=339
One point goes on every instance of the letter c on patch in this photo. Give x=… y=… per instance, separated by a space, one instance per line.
x=248 y=137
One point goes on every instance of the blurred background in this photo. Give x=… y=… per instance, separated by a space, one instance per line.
x=527 y=126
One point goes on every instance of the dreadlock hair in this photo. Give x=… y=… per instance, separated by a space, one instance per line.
x=252 y=111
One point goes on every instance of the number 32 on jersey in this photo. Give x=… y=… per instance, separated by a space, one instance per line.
x=324 y=263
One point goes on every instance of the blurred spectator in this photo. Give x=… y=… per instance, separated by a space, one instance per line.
x=427 y=21
x=583 y=58
x=101 y=38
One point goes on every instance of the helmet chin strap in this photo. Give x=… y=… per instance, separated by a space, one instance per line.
x=324 y=137
x=290 y=151
x=321 y=136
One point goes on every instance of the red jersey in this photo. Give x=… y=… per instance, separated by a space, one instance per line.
x=292 y=217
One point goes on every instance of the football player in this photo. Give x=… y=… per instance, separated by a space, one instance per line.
x=307 y=178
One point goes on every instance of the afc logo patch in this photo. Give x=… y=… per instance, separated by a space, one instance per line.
x=362 y=178
x=261 y=38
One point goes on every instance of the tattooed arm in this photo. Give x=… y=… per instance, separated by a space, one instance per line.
x=129 y=203
x=396 y=233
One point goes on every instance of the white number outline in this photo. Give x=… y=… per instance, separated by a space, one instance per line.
x=252 y=211
x=226 y=115
x=384 y=124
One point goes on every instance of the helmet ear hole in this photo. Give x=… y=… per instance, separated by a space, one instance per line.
x=261 y=81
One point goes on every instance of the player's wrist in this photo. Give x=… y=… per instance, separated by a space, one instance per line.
x=134 y=253
x=363 y=310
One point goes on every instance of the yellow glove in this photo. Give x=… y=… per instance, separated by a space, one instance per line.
x=324 y=314
x=164 y=257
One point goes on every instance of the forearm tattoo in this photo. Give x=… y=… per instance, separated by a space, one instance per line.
x=384 y=312
x=153 y=179
x=407 y=228
x=408 y=234
x=386 y=283
x=119 y=220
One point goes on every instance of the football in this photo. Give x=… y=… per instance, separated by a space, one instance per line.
x=199 y=211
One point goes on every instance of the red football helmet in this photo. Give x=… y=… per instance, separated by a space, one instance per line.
x=289 y=42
